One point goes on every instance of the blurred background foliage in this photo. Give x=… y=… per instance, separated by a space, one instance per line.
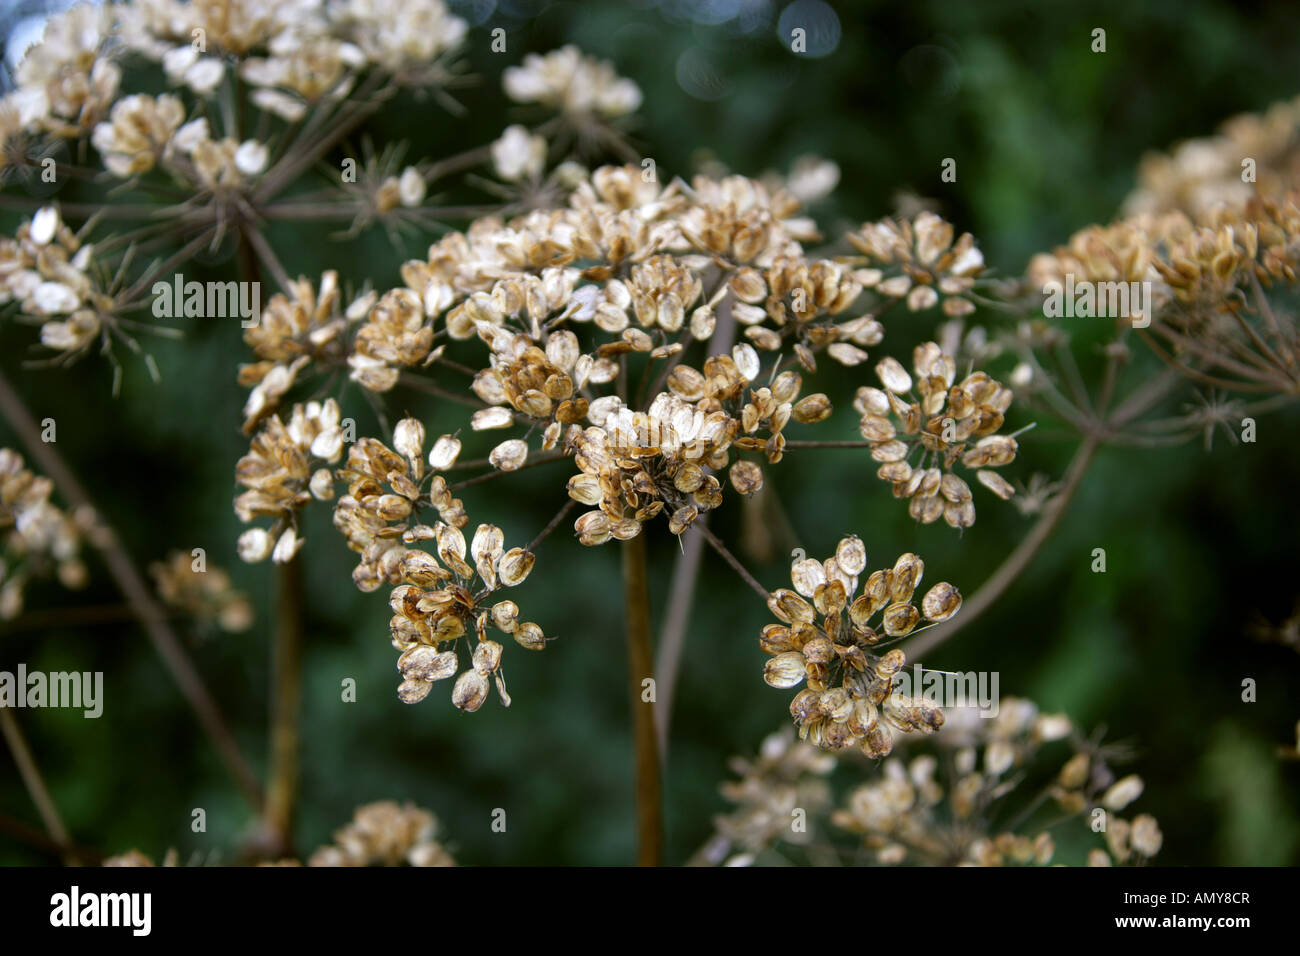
x=1046 y=135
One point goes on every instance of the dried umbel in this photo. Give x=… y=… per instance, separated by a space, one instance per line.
x=926 y=265
x=185 y=583
x=850 y=698
x=967 y=804
x=304 y=327
x=786 y=778
x=921 y=428
x=37 y=538
x=439 y=597
x=1220 y=310
x=386 y=834
x=46 y=269
x=568 y=81
x=282 y=471
x=67 y=83
x=1200 y=176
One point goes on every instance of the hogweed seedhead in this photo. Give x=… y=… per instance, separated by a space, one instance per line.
x=850 y=698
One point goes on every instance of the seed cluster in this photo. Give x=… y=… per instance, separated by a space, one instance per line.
x=849 y=700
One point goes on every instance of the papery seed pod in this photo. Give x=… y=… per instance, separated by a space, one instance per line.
x=1122 y=792
x=392 y=507
x=784 y=670
x=819 y=651
x=448 y=628
x=863 y=718
x=408 y=439
x=929 y=716
x=851 y=555
x=746 y=477
x=486 y=550
x=996 y=484
x=494 y=417
x=900 y=619
x=747 y=361
x=420 y=567
x=959 y=515
x=829 y=599
x=510 y=455
x=1050 y=727
x=1075 y=772
x=789 y=607
x=1145 y=836
x=487 y=657
x=413 y=691
x=529 y=635
x=879 y=741
x=806 y=706
x=425 y=663
x=836 y=704
x=893 y=376
x=515 y=566
x=993 y=451
x=908 y=571
x=941 y=602
x=592 y=528
x=470 y=692
x=682 y=518
x=921 y=297
x=505 y=616
x=998 y=758
x=288 y=545
x=451 y=543
x=812 y=409
x=444 y=453
x=585 y=489
x=254 y=545
x=954 y=489
x=1117 y=834
x=322 y=484
x=807 y=575
x=776 y=639
x=890 y=664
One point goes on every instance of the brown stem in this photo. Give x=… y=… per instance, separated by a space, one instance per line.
x=732 y=560
x=69 y=617
x=39 y=841
x=640 y=663
x=286 y=708
x=551 y=525
x=128 y=580
x=35 y=783
x=672 y=639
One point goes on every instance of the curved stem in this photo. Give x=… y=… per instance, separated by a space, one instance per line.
x=1018 y=560
x=35 y=783
x=147 y=610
